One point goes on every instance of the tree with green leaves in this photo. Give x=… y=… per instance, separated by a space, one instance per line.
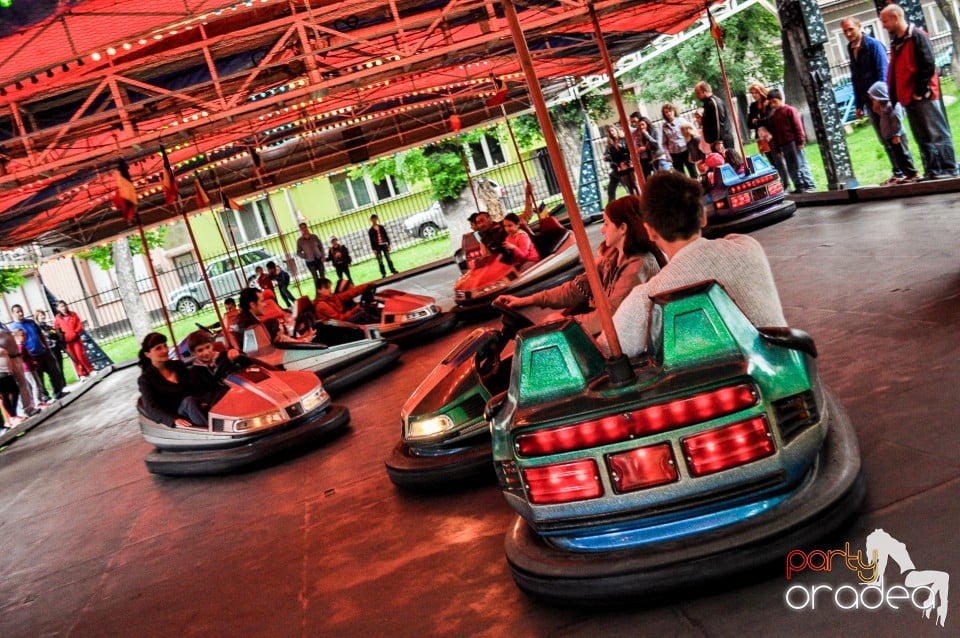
x=119 y=255
x=752 y=53
x=10 y=279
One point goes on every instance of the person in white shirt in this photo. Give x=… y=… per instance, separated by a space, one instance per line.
x=673 y=213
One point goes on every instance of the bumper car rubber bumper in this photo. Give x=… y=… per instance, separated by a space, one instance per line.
x=249 y=453
x=822 y=506
x=752 y=220
x=481 y=308
x=436 y=325
x=341 y=378
x=426 y=472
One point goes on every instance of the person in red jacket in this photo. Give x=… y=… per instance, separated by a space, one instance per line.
x=913 y=82
x=334 y=305
x=71 y=325
x=788 y=140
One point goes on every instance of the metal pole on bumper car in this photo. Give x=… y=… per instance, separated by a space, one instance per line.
x=216 y=222
x=156 y=282
x=615 y=91
x=287 y=259
x=203 y=269
x=717 y=33
x=618 y=365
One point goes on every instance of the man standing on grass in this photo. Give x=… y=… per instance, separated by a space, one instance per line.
x=380 y=245
x=913 y=82
x=868 y=65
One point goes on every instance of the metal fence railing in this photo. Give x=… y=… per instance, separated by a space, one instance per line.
x=106 y=320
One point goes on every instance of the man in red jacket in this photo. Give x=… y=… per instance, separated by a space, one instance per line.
x=788 y=141
x=913 y=82
x=71 y=325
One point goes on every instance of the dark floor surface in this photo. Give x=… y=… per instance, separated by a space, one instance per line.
x=324 y=545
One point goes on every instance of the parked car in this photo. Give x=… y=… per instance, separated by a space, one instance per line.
x=426 y=224
x=188 y=299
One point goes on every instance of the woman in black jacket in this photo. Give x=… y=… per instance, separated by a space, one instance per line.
x=165 y=386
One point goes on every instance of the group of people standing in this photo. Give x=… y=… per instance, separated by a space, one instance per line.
x=888 y=88
x=310 y=249
x=905 y=83
x=31 y=357
x=674 y=144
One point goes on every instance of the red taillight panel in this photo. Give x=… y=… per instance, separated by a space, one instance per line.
x=775 y=188
x=740 y=200
x=563 y=482
x=727 y=447
x=643 y=467
x=753 y=183
x=650 y=420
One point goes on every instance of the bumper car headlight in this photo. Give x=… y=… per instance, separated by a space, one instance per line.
x=422 y=313
x=258 y=422
x=428 y=427
x=497 y=285
x=314 y=400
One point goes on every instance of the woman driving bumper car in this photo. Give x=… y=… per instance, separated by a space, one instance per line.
x=626 y=258
x=165 y=388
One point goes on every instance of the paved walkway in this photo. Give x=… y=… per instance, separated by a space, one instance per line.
x=323 y=545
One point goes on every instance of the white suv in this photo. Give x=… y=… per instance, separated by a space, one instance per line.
x=426 y=224
x=188 y=299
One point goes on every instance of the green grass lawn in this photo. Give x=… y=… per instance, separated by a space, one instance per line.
x=425 y=252
x=870 y=163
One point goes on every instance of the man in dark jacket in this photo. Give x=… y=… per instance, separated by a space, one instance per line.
x=37 y=345
x=868 y=65
x=339 y=256
x=716 y=125
x=913 y=82
x=282 y=278
x=380 y=244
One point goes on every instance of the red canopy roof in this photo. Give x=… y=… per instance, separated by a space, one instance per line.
x=307 y=85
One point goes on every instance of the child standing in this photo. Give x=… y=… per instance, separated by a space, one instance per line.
x=891 y=128
x=340 y=257
x=282 y=278
x=264 y=282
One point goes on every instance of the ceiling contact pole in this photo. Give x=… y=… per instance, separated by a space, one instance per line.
x=618 y=366
x=156 y=284
x=615 y=91
x=516 y=147
x=287 y=258
x=203 y=270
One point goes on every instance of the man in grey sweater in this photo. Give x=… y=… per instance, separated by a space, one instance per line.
x=674 y=216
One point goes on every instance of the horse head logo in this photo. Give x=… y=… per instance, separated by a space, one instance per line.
x=883 y=548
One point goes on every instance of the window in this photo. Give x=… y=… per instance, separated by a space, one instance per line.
x=935 y=22
x=390 y=186
x=485 y=152
x=254 y=222
x=361 y=191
